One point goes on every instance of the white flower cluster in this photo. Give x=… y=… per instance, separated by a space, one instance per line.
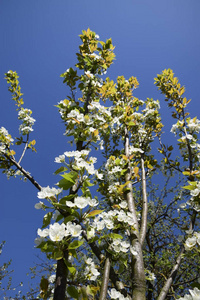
x=91 y=122
x=188 y=132
x=63 y=106
x=194 y=295
x=25 y=115
x=89 y=74
x=5 y=139
x=75 y=115
x=176 y=127
x=195 y=193
x=80 y=162
x=39 y=205
x=94 y=56
x=90 y=271
x=192 y=241
x=135 y=150
x=94 y=81
x=115 y=122
x=142 y=134
x=137 y=117
x=47 y=192
x=193 y=125
x=57 y=232
x=150 y=276
x=108 y=219
x=120 y=246
x=82 y=202
x=101 y=109
x=114 y=294
x=113 y=167
x=60 y=159
x=194 y=204
x=151 y=107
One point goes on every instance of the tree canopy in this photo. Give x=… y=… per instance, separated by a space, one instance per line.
x=123 y=219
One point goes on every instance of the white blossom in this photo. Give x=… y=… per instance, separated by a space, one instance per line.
x=43 y=233
x=55 y=215
x=38 y=241
x=90 y=271
x=194 y=295
x=47 y=192
x=114 y=294
x=194 y=125
x=123 y=204
x=39 y=205
x=133 y=150
x=73 y=229
x=90 y=233
x=81 y=202
x=57 y=232
x=76 y=154
x=190 y=243
x=89 y=74
x=93 y=202
x=52 y=278
x=60 y=159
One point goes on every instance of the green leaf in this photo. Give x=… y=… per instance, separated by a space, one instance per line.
x=46 y=246
x=68 y=180
x=66 y=198
x=72 y=270
x=70 y=176
x=19 y=141
x=72 y=291
x=69 y=218
x=44 y=284
x=187 y=173
x=131 y=123
x=115 y=236
x=75 y=244
x=94 y=213
x=61 y=169
x=47 y=219
x=73 y=253
x=195 y=284
x=58 y=254
x=70 y=267
x=189 y=187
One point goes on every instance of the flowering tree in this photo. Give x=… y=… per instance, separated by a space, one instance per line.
x=111 y=231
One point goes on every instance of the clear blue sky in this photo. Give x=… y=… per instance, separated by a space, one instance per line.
x=39 y=39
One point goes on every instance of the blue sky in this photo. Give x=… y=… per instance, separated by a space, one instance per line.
x=39 y=40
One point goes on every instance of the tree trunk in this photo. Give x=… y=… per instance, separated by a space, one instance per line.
x=61 y=279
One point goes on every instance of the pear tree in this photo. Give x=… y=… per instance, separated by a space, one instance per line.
x=123 y=220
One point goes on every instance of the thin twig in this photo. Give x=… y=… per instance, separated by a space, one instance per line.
x=25 y=148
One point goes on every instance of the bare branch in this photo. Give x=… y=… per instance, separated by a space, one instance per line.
x=143 y=229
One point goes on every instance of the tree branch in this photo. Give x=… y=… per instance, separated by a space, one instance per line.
x=169 y=281
x=143 y=228
x=105 y=280
x=137 y=263
x=26 y=174
x=25 y=148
